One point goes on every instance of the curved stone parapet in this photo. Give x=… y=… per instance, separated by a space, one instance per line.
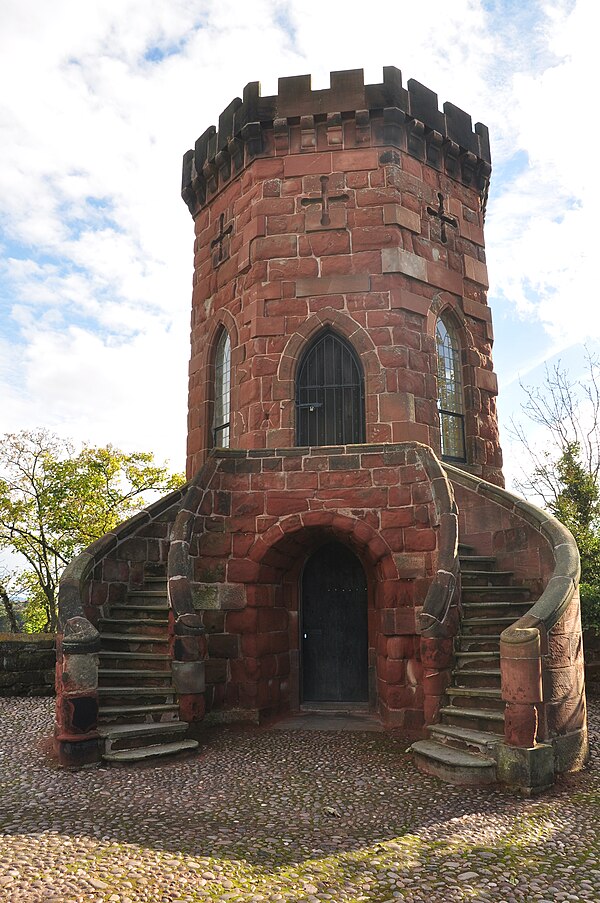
x=541 y=654
x=78 y=641
x=439 y=617
x=564 y=579
x=187 y=633
x=179 y=574
x=76 y=574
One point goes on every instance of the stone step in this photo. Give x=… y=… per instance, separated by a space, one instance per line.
x=130 y=736
x=495 y=593
x=491 y=692
x=136 y=696
x=148 y=661
x=143 y=604
x=131 y=638
x=485 y=626
x=155 y=569
x=141 y=611
x=153 y=595
x=475 y=643
x=477 y=619
x=130 y=691
x=482 y=677
x=133 y=714
x=456 y=766
x=474 y=661
x=514 y=608
x=153 y=626
x=147 y=753
x=139 y=696
x=476 y=697
x=485 y=578
x=464 y=738
x=481 y=719
x=477 y=562
x=145 y=676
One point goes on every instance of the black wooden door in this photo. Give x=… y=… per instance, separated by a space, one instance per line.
x=334 y=627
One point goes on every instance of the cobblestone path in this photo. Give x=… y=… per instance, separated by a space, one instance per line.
x=281 y=815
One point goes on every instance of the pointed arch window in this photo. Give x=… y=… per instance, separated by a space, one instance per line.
x=222 y=391
x=329 y=393
x=450 y=391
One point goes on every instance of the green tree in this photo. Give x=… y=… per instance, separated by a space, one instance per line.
x=55 y=501
x=577 y=506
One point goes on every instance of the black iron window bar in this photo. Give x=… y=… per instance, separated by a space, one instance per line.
x=329 y=394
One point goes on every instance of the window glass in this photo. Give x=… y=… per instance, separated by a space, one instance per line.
x=450 y=391
x=222 y=391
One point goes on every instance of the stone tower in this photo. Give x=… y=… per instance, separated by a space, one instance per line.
x=344 y=540
x=357 y=209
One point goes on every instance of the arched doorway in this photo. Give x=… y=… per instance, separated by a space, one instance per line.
x=334 y=627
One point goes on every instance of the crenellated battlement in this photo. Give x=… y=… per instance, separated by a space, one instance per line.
x=347 y=114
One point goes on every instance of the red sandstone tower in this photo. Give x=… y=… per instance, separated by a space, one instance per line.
x=355 y=211
x=342 y=442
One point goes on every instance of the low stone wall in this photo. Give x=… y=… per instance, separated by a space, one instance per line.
x=27 y=663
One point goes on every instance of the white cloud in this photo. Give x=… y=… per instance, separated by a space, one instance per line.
x=81 y=386
x=542 y=227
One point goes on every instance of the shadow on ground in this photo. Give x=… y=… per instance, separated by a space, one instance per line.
x=266 y=805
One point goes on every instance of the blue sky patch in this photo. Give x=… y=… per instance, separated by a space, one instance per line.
x=506 y=170
x=159 y=52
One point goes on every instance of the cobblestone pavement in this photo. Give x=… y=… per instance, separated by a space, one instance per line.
x=282 y=815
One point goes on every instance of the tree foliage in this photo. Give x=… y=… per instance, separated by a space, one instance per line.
x=564 y=474
x=577 y=506
x=55 y=501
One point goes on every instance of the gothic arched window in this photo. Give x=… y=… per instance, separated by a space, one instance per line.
x=222 y=390
x=329 y=393
x=450 y=391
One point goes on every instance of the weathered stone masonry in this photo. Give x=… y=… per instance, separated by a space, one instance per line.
x=377 y=271
x=356 y=213
x=261 y=514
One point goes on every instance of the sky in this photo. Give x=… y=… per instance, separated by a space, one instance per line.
x=99 y=101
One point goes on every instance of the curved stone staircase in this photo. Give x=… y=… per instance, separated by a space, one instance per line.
x=461 y=747
x=138 y=718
